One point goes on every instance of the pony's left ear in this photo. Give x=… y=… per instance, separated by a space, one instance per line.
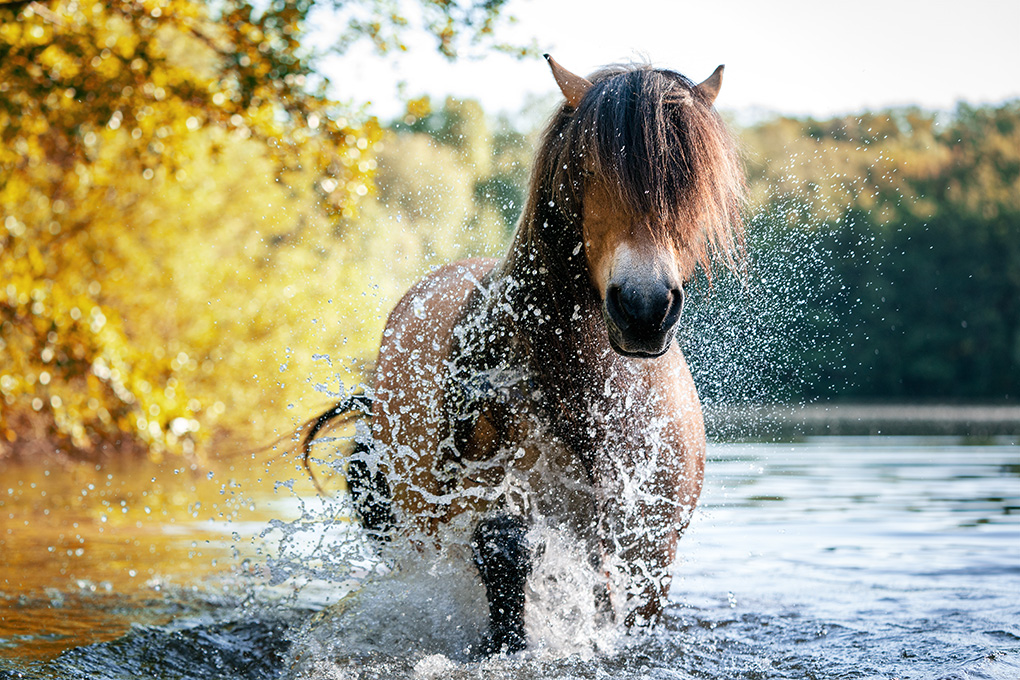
x=709 y=88
x=571 y=85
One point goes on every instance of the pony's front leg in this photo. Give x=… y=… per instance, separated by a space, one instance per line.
x=639 y=561
x=501 y=554
x=640 y=526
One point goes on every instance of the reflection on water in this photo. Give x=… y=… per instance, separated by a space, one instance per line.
x=856 y=558
x=85 y=552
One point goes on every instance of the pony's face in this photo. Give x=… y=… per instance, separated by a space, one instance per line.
x=638 y=275
x=658 y=188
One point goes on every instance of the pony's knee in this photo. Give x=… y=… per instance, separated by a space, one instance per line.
x=500 y=549
x=503 y=559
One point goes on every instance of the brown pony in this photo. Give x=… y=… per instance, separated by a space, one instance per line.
x=548 y=383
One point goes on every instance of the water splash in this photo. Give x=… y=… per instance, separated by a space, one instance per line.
x=420 y=597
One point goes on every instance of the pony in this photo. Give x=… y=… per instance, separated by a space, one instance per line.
x=548 y=383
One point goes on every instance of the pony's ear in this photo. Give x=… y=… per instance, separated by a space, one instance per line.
x=571 y=85
x=709 y=88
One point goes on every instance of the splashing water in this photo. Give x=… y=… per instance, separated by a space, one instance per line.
x=746 y=334
x=425 y=604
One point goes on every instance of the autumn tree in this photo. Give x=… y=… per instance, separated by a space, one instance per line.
x=171 y=172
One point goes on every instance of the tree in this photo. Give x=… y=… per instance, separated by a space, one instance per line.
x=117 y=121
x=918 y=216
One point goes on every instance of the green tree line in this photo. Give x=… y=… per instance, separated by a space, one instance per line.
x=918 y=215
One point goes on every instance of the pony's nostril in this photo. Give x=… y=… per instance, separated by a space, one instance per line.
x=658 y=307
x=675 y=308
x=618 y=308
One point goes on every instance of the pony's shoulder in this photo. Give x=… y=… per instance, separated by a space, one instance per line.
x=447 y=285
x=434 y=304
x=469 y=270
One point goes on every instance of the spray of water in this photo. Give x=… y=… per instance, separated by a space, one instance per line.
x=419 y=596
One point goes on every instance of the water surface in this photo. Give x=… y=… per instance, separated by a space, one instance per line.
x=831 y=558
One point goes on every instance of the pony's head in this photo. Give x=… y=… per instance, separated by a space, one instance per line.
x=647 y=178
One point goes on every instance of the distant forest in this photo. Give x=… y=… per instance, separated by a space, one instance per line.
x=196 y=249
x=919 y=216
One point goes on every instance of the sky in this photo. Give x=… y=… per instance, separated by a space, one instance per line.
x=794 y=57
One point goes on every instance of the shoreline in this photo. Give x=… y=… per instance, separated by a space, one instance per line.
x=861 y=419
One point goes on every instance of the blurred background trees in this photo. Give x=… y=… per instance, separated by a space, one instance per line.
x=198 y=247
x=172 y=177
x=918 y=214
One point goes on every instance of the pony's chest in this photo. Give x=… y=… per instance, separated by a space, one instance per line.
x=512 y=458
x=502 y=441
x=492 y=412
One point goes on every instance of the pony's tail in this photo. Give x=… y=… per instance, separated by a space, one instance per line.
x=366 y=482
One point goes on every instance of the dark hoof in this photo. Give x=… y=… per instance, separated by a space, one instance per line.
x=506 y=642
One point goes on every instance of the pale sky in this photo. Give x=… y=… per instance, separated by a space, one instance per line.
x=799 y=57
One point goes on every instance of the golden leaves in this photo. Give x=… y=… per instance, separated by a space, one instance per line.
x=130 y=132
x=172 y=190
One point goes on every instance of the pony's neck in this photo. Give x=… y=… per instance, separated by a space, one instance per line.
x=554 y=318
x=552 y=300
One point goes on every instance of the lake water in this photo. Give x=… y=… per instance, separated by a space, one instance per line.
x=830 y=558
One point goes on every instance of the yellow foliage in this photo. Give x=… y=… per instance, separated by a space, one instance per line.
x=184 y=234
x=419 y=108
x=158 y=192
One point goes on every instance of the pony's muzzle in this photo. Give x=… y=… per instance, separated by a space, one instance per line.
x=642 y=316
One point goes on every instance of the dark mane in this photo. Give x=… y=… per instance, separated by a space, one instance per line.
x=649 y=133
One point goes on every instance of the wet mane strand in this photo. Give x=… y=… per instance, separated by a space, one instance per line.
x=648 y=133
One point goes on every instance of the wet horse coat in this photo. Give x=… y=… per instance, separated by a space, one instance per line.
x=548 y=383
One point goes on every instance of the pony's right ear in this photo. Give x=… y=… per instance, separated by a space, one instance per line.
x=571 y=85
